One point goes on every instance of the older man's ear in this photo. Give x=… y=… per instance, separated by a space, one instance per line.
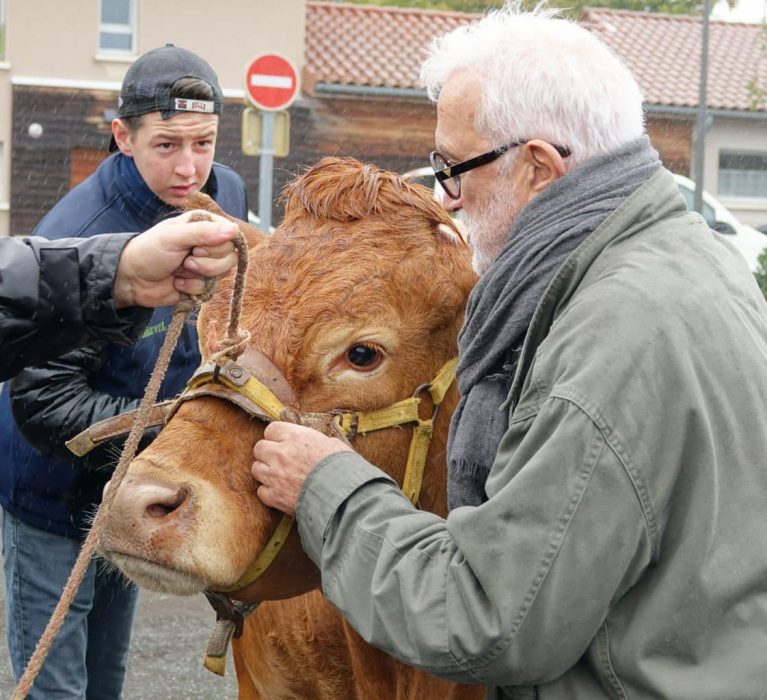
x=545 y=164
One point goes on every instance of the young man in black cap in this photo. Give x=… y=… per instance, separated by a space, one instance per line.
x=165 y=135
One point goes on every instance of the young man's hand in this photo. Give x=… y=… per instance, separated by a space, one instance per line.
x=176 y=255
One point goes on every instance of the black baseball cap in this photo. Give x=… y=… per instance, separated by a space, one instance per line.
x=147 y=85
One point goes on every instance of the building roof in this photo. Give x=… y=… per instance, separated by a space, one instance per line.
x=383 y=47
x=663 y=52
x=370 y=45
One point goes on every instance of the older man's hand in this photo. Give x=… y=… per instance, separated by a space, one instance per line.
x=176 y=255
x=284 y=458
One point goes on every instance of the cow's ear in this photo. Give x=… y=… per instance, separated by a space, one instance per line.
x=451 y=233
x=198 y=200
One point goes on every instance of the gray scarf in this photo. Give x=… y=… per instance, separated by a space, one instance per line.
x=502 y=304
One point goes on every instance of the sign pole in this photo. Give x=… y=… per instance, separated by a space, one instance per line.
x=271 y=85
x=701 y=123
x=266 y=165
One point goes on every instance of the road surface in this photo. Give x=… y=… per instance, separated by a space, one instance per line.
x=167 y=648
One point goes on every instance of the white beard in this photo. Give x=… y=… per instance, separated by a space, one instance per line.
x=488 y=231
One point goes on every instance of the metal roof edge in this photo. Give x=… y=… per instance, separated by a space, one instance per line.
x=373 y=90
x=692 y=112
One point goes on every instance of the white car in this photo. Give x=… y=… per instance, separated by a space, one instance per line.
x=749 y=242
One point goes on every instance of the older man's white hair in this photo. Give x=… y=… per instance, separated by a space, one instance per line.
x=542 y=77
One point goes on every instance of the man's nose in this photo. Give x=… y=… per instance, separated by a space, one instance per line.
x=185 y=163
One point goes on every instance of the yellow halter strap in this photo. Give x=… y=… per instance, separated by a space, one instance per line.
x=261 y=402
x=236 y=383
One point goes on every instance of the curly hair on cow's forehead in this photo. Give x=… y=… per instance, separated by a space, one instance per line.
x=347 y=190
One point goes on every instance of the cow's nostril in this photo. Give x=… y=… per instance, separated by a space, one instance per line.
x=161 y=508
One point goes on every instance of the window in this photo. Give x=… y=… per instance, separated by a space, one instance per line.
x=2 y=30
x=743 y=175
x=117 y=30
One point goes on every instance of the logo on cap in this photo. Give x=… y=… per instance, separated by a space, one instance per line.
x=184 y=105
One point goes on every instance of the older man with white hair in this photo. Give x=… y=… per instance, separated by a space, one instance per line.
x=606 y=460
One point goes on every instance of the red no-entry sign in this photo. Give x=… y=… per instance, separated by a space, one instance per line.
x=271 y=82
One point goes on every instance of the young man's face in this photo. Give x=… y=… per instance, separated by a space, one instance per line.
x=174 y=156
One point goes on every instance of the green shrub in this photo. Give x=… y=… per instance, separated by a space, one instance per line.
x=761 y=272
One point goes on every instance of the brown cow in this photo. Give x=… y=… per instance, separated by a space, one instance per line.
x=357 y=298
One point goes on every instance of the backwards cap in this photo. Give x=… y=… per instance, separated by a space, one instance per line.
x=148 y=82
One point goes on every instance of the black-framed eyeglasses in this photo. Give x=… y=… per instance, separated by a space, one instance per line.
x=449 y=176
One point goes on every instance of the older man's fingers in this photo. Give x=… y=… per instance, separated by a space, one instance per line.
x=265 y=449
x=264 y=495
x=274 y=499
x=259 y=470
x=280 y=431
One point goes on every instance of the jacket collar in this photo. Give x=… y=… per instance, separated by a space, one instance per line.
x=143 y=204
x=656 y=199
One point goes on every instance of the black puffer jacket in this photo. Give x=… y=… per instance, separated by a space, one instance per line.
x=57 y=295
x=40 y=483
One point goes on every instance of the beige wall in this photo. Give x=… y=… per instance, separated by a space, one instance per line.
x=5 y=147
x=55 y=42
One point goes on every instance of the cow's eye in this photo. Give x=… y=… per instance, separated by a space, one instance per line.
x=364 y=356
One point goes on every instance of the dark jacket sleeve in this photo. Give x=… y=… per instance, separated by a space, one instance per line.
x=231 y=194
x=54 y=402
x=57 y=295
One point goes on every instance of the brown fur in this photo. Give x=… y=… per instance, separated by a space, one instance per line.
x=361 y=257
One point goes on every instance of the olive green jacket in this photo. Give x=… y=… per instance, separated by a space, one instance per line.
x=623 y=549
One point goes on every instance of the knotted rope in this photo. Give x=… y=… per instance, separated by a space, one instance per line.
x=234 y=343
